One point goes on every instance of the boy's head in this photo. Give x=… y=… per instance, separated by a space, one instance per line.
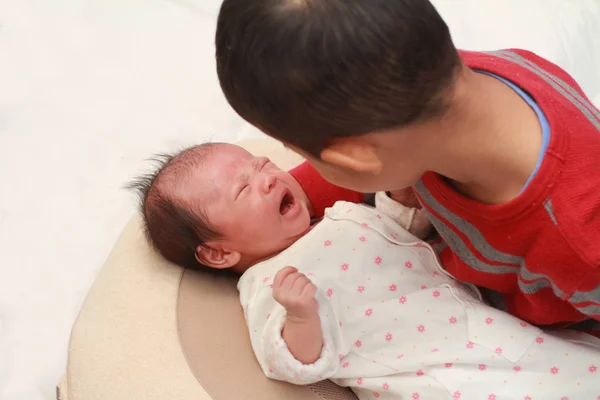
x=217 y=207
x=330 y=78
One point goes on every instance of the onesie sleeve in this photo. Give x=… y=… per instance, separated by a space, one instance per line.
x=321 y=193
x=266 y=319
x=413 y=220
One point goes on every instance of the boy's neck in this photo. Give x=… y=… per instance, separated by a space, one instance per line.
x=489 y=142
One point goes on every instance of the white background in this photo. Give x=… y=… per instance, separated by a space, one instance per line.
x=91 y=88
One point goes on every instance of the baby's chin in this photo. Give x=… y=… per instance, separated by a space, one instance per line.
x=299 y=227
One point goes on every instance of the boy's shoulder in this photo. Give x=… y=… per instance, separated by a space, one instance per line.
x=574 y=206
x=522 y=67
x=569 y=173
x=573 y=118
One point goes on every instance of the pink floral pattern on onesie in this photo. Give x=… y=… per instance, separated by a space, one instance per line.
x=406 y=329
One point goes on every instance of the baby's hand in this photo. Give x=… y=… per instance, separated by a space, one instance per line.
x=296 y=293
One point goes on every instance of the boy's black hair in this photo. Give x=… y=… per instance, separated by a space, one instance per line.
x=174 y=228
x=311 y=71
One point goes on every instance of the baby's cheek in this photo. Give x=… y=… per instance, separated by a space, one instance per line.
x=289 y=181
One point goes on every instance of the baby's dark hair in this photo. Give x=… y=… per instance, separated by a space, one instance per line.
x=308 y=72
x=173 y=227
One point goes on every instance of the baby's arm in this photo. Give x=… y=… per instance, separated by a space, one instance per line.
x=302 y=328
x=299 y=344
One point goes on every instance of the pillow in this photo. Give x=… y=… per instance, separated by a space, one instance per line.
x=151 y=330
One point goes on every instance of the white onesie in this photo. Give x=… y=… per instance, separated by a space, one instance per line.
x=397 y=326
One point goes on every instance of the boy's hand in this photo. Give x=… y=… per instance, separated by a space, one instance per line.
x=406 y=197
x=296 y=293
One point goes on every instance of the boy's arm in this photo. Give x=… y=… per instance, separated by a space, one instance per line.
x=586 y=299
x=322 y=194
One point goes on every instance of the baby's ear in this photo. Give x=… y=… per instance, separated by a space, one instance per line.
x=216 y=256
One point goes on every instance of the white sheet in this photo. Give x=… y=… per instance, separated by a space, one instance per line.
x=565 y=32
x=90 y=88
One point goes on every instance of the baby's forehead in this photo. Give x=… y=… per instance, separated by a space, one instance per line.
x=221 y=162
x=205 y=158
x=202 y=173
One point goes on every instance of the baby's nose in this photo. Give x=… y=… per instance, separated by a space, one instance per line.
x=268 y=182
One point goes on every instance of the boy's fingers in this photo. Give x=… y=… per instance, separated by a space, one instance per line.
x=282 y=274
x=406 y=197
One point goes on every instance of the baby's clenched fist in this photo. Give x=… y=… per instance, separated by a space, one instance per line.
x=296 y=293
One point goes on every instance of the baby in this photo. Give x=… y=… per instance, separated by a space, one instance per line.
x=356 y=298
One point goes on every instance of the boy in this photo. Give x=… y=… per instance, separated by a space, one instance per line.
x=502 y=149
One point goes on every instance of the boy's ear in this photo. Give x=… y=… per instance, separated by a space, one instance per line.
x=216 y=256
x=353 y=154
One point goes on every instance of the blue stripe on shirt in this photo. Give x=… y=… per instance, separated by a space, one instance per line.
x=540 y=114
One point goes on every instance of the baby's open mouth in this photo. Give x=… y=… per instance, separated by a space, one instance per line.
x=287 y=202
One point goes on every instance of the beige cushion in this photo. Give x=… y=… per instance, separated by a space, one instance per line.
x=150 y=330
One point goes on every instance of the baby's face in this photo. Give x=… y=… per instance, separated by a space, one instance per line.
x=257 y=208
